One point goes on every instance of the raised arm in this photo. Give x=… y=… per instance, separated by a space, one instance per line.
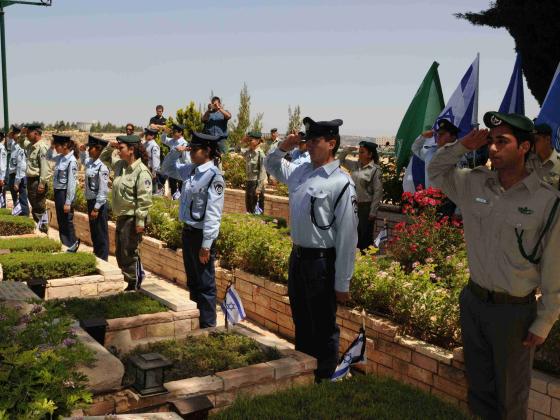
x=173 y=167
x=275 y=163
x=107 y=157
x=348 y=164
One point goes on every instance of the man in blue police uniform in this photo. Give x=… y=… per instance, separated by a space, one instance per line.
x=176 y=140
x=323 y=218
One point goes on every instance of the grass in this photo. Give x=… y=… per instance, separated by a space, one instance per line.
x=109 y=307
x=207 y=354
x=361 y=397
x=30 y=244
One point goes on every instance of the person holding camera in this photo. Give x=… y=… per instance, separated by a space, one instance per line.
x=215 y=121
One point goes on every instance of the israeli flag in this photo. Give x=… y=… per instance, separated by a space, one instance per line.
x=16 y=211
x=2 y=201
x=550 y=111
x=381 y=237
x=462 y=108
x=232 y=306
x=43 y=221
x=140 y=273
x=176 y=195
x=355 y=354
x=258 y=209
x=514 y=100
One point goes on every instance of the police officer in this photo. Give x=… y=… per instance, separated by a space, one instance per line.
x=366 y=175
x=153 y=151
x=513 y=237
x=545 y=160
x=324 y=233
x=15 y=173
x=176 y=140
x=201 y=205
x=65 y=180
x=256 y=173
x=3 y=169
x=131 y=200
x=37 y=172
x=97 y=187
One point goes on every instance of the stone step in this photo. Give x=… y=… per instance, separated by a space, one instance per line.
x=172 y=296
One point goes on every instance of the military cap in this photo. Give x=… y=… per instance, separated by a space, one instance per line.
x=130 y=139
x=201 y=139
x=151 y=131
x=371 y=146
x=320 y=128
x=177 y=127
x=96 y=141
x=274 y=130
x=446 y=125
x=544 y=129
x=494 y=119
x=61 y=138
x=15 y=128
x=255 y=134
x=33 y=127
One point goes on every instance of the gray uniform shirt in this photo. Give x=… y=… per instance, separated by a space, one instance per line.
x=17 y=163
x=97 y=180
x=153 y=151
x=65 y=176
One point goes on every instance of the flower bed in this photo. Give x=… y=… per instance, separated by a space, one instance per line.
x=15 y=225
x=38 y=244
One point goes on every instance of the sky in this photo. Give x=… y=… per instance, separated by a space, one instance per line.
x=358 y=60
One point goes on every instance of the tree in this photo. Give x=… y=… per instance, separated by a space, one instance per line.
x=535 y=29
x=294 y=119
x=238 y=128
x=190 y=117
x=257 y=124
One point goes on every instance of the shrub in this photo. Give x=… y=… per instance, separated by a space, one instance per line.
x=108 y=307
x=39 y=358
x=15 y=225
x=5 y=211
x=24 y=266
x=207 y=354
x=234 y=169
x=164 y=222
x=392 y=181
x=30 y=244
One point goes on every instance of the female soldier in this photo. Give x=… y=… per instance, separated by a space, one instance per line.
x=97 y=186
x=132 y=197
x=64 y=153
x=201 y=205
x=366 y=174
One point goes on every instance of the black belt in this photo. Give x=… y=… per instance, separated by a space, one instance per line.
x=490 y=296
x=312 y=253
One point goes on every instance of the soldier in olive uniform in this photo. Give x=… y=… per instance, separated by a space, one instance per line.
x=256 y=173
x=513 y=237
x=545 y=160
x=132 y=198
x=366 y=175
x=38 y=171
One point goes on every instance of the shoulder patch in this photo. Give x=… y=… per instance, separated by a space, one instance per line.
x=147 y=183
x=355 y=204
x=219 y=187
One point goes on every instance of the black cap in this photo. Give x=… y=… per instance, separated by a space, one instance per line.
x=494 y=119
x=274 y=130
x=131 y=139
x=177 y=127
x=33 y=127
x=201 y=139
x=320 y=128
x=371 y=146
x=446 y=125
x=151 y=131
x=543 y=129
x=96 y=141
x=61 y=138
x=15 y=128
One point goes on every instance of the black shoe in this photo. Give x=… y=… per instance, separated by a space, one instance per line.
x=44 y=228
x=130 y=288
x=74 y=247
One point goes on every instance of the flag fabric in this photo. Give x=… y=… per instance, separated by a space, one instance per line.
x=550 y=111
x=356 y=353
x=2 y=201
x=422 y=111
x=16 y=211
x=258 y=209
x=232 y=306
x=140 y=273
x=514 y=100
x=382 y=236
x=43 y=221
x=176 y=195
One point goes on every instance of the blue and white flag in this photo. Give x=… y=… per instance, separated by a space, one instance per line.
x=16 y=211
x=258 y=209
x=514 y=99
x=381 y=237
x=462 y=108
x=140 y=273
x=176 y=195
x=2 y=201
x=43 y=221
x=355 y=354
x=232 y=306
x=550 y=111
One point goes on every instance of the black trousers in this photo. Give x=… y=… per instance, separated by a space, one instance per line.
x=313 y=304
x=66 y=230
x=99 y=230
x=365 y=226
x=498 y=365
x=19 y=196
x=37 y=200
x=127 y=242
x=252 y=197
x=175 y=185
x=201 y=278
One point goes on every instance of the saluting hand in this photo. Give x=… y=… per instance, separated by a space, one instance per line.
x=428 y=134
x=181 y=149
x=475 y=139
x=114 y=144
x=290 y=142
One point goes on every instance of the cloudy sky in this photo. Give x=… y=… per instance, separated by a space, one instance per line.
x=359 y=60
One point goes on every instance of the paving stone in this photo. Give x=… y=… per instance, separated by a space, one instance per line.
x=173 y=297
x=16 y=291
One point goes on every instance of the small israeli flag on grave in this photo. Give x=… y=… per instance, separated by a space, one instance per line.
x=232 y=306
x=258 y=209
x=355 y=354
x=2 y=201
x=140 y=273
x=43 y=221
x=381 y=237
x=16 y=211
x=176 y=195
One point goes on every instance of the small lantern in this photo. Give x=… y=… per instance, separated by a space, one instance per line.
x=148 y=371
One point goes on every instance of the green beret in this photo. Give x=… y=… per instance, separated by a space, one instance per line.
x=544 y=129
x=255 y=134
x=131 y=139
x=372 y=147
x=494 y=119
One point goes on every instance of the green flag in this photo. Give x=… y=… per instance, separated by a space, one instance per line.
x=422 y=111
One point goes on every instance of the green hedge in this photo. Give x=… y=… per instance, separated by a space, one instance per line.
x=30 y=244
x=4 y=211
x=163 y=222
x=23 y=266
x=15 y=225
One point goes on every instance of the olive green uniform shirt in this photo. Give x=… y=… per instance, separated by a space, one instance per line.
x=254 y=166
x=491 y=217
x=549 y=170
x=37 y=163
x=132 y=187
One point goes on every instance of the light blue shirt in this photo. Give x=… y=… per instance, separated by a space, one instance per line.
x=172 y=143
x=202 y=197
x=152 y=149
x=299 y=158
x=323 y=185
x=425 y=149
x=3 y=160
x=97 y=180
x=17 y=163
x=65 y=175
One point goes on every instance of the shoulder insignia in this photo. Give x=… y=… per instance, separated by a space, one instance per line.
x=355 y=204
x=219 y=187
x=525 y=210
x=148 y=183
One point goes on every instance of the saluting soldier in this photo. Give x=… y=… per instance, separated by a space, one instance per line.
x=153 y=151
x=3 y=169
x=513 y=237
x=65 y=180
x=132 y=198
x=366 y=175
x=37 y=172
x=176 y=139
x=324 y=233
x=15 y=174
x=201 y=206
x=545 y=160
x=97 y=188
x=256 y=172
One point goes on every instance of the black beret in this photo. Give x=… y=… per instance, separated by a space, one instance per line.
x=494 y=119
x=201 y=139
x=131 y=139
x=371 y=146
x=274 y=130
x=320 y=128
x=151 y=131
x=61 y=138
x=543 y=128
x=446 y=125
x=34 y=127
x=96 y=141
x=15 y=128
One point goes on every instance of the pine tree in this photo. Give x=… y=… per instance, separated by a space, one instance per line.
x=257 y=124
x=239 y=127
x=294 y=119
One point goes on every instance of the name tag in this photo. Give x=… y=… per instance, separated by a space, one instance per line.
x=481 y=200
